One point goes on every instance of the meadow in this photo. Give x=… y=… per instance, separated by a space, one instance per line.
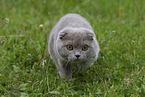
x=27 y=71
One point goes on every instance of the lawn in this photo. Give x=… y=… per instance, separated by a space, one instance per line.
x=27 y=71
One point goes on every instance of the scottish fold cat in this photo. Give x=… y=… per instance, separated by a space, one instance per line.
x=72 y=44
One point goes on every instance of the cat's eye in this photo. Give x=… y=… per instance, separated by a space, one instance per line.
x=69 y=47
x=85 y=47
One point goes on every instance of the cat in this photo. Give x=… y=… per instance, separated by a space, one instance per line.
x=72 y=44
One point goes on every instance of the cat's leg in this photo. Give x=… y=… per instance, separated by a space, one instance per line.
x=66 y=72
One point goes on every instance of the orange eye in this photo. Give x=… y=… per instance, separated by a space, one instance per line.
x=85 y=47
x=69 y=47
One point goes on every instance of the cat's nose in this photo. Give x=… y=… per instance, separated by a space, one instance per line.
x=77 y=56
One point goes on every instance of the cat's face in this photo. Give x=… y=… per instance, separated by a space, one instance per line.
x=76 y=45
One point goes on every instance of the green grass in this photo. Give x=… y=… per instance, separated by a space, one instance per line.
x=120 y=30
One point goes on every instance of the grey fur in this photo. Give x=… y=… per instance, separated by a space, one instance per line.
x=75 y=30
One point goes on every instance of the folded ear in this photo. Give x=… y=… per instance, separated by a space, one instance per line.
x=62 y=35
x=90 y=36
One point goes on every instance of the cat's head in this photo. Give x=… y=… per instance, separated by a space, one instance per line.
x=77 y=44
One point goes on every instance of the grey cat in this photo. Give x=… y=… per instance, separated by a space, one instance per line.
x=72 y=44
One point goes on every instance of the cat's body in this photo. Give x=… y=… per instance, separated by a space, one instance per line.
x=72 y=43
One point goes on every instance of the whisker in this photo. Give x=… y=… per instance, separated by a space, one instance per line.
x=66 y=63
x=78 y=67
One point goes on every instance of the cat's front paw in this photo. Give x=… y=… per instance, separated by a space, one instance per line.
x=65 y=75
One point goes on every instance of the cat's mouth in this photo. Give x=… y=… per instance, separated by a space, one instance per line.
x=76 y=60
